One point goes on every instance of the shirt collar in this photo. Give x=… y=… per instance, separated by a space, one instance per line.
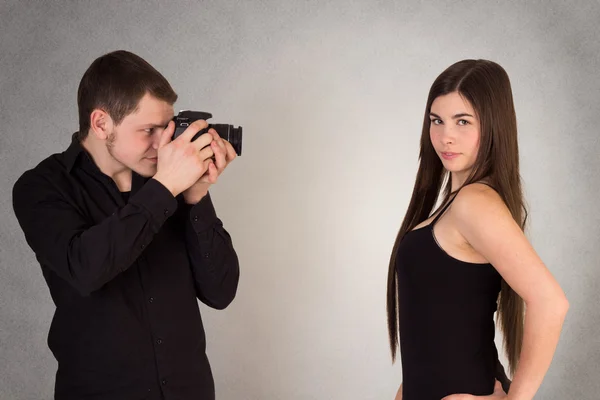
x=76 y=150
x=73 y=152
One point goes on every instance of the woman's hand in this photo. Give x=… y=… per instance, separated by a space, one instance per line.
x=497 y=395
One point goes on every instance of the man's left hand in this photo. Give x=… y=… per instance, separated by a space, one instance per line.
x=224 y=155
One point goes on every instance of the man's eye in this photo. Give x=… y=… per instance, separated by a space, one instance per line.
x=149 y=130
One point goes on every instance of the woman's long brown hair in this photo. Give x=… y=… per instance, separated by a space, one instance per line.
x=486 y=86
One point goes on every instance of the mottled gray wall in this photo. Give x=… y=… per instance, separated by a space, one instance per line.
x=331 y=96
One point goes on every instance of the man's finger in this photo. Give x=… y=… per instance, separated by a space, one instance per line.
x=214 y=133
x=217 y=138
x=206 y=153
x=203 y=141
x=167 y=134
x=220 y=156
x=191 y=130
x=231 y=154
x=213 y=173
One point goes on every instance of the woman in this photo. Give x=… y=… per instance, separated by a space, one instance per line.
x=451 y=269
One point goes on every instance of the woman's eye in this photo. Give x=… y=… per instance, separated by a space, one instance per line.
x=463 y=122
x=436 y=121
x=149 y=131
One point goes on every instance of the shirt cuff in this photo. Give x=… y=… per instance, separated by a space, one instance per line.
x=157 y=200
x=202 y=214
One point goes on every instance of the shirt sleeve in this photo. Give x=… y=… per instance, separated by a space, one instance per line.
x=87 y=256
x=213 y=259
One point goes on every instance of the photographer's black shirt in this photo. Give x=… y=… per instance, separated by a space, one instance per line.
x=125 y=274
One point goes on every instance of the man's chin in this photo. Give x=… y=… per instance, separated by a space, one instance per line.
x=145 y=171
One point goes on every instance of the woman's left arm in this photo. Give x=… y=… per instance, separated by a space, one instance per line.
x=486 y=223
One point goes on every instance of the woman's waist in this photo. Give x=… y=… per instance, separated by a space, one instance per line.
x=435 y=378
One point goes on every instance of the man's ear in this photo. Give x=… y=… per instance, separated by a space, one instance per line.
x=101 y=124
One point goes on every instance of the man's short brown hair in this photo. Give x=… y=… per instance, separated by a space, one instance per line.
x=115 y=83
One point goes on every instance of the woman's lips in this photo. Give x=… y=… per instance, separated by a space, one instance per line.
x=449 y=155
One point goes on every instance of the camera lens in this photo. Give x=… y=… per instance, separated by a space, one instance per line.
x=231 y=134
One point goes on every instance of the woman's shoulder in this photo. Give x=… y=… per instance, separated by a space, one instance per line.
x=476 y=198
x=478 y=188
x=479 y=212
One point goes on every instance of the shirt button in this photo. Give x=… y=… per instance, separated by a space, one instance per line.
x=142 y=246
x=206 y=255
x=166 y=211
x=164 y=382
x=151 y=300
x=159 y=341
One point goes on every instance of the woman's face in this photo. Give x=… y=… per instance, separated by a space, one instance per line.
x=454 y=132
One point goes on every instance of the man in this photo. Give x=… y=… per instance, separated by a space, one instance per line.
x=124 y=229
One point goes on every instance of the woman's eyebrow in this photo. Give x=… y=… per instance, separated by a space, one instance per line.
x=454 y=117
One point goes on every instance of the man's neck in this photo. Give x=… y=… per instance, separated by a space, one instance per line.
x=106 y=163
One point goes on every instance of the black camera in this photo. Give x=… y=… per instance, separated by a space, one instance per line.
x=225 y=131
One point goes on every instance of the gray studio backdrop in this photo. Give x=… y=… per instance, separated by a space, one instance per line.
x=331 y=98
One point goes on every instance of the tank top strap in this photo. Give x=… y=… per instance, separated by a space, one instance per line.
x=443 y=210
x=445 y=207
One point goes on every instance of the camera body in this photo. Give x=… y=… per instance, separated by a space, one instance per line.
x=228 y=132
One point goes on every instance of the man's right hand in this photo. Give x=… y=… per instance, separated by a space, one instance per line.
x=182 y=162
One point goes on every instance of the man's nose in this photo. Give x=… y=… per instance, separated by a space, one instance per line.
x=156 y=139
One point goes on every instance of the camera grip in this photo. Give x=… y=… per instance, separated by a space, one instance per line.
x=179 y=129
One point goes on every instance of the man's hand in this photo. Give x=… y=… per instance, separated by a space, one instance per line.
x=181 y=162
x=497 y=395
x=224 y=154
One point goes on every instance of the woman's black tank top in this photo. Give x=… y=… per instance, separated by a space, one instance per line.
x=446 y=315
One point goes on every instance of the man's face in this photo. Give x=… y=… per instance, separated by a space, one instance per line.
x=134 y=142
